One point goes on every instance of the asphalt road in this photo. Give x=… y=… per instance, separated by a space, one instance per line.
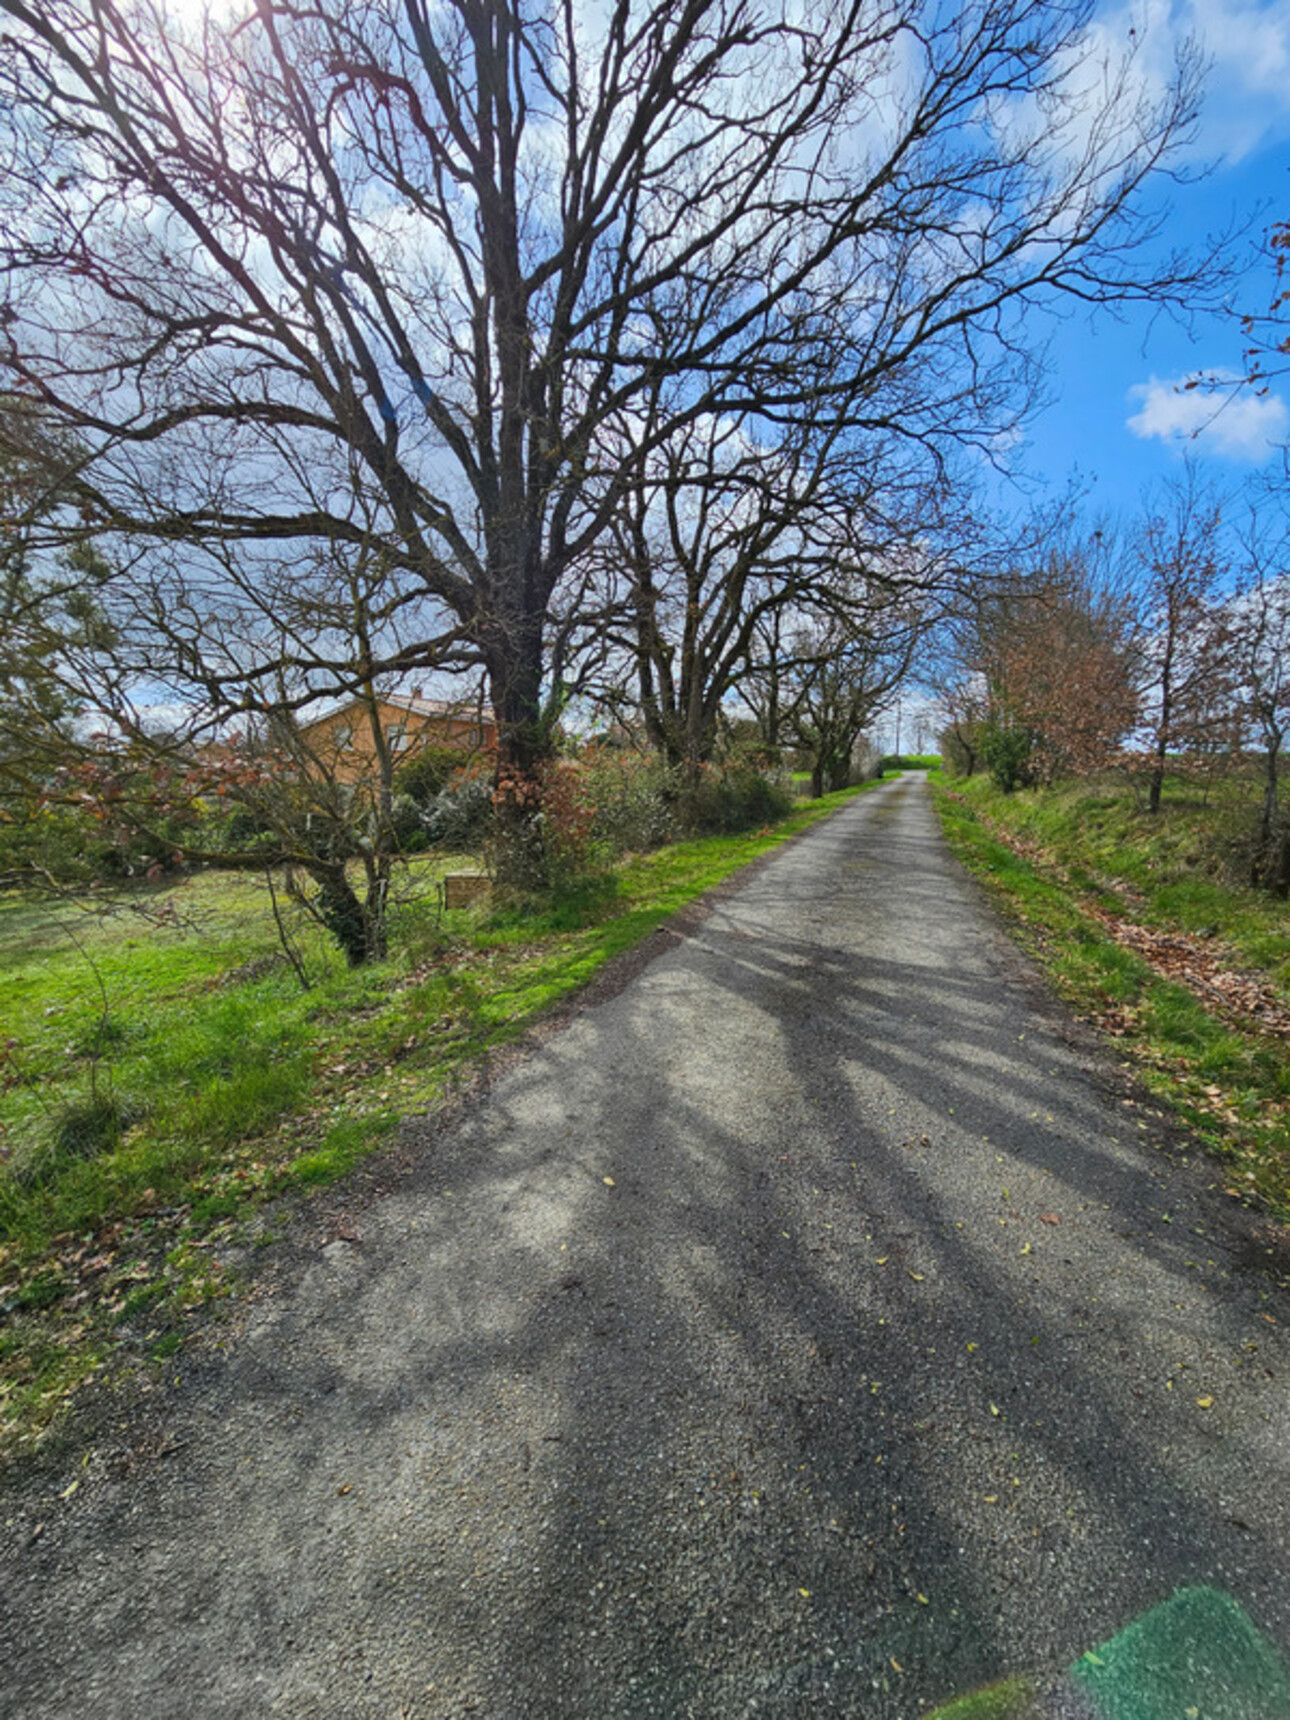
x=809 y=1327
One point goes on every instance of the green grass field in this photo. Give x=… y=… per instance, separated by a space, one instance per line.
x=164 y=1075
x=1057 y=859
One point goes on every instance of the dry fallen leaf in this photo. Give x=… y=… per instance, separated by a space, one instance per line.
x=608 y=1182
x=1049 y=1218
x=1205 y=1402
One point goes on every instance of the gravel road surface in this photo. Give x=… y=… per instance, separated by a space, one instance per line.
x=809 y=1327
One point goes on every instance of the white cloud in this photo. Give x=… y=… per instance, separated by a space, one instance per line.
x=1249 y=46
x=1216 y=415
x=1246 y=44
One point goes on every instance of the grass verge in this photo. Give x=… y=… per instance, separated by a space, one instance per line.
x=1077 y=872
x=164 y=1077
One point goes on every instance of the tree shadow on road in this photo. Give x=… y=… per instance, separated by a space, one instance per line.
x=727 y=1361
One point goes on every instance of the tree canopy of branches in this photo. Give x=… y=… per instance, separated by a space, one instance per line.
x=47 y=612
x=378 y=279
x=1044 y=682
x=1254 y=636
x=739 y=562
x=837 y=675
x=1268 y=330
x=1187 y=702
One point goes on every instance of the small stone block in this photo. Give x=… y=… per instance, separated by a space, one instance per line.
x=462 y=889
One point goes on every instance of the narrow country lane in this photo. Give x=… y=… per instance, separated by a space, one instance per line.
x=810 y=1328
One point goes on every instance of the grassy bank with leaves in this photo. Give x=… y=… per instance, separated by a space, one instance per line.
x=1146 y=929
x=165 y=1078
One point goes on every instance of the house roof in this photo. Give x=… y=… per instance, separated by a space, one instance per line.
x=419 y=706
x=415 y=704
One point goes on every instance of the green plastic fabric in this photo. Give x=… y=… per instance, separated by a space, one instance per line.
x=1196 y=1656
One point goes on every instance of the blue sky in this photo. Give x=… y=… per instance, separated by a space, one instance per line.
x=1118 y=415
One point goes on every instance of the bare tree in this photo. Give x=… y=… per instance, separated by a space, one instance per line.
x=1255 y=637
x=47 y=607
x=175 y=734
x=143 y=801
x=1186 y=708
x=843 y=674
x=735 y=561
x=299 y=275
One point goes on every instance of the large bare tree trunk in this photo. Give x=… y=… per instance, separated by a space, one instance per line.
x=504 y=256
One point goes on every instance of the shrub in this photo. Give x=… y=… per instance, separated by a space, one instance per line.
x=428 y=773
x=407 y=822
x=906 y=761
x=724 y=799
x=571 y=849
x=73 y=846
x=548 y=826
x=632 y=799
x=35 y=839
x=1007 y=753
x=461 y=815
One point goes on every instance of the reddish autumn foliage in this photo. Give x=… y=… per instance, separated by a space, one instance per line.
x=1050 y=686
